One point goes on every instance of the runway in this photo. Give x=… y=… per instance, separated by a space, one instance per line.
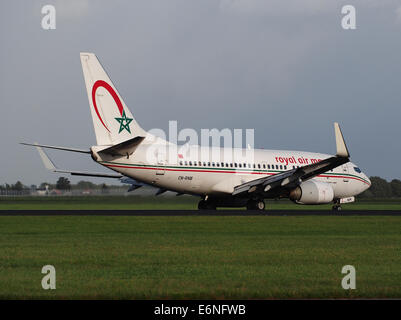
x=171 y=213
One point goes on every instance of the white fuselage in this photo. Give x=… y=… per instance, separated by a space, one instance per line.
x=209 y=171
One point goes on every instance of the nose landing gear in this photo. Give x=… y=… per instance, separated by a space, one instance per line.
x=336 y=206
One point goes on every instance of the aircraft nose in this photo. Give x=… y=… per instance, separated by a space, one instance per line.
x=368 y=184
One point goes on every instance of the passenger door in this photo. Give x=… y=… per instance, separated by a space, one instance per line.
x=161 y=163
x=345 y=172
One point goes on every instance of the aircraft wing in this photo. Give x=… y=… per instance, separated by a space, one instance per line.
x=292 y=178
x=51 y=166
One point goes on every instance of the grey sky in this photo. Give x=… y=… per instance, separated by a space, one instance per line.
x=285 y=68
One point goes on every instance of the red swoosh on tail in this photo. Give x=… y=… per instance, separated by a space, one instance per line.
x=104 y=84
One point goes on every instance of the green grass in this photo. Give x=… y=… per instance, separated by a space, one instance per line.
x=99 y=203
x=165 y=203
x=199 y=257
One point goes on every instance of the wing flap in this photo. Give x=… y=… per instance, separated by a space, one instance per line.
x=289 y=179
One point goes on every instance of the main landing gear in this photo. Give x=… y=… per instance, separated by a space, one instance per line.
x=206 y=205
x=255 y=205
x=211 y=204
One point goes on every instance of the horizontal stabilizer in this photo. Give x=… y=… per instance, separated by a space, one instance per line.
x=90 y=174
x=52 y=167
x=124 y=148
x=55 y=147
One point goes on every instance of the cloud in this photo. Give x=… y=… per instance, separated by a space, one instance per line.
x=72 y=8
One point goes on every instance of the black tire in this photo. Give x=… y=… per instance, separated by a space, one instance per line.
x=204 y=205
x=256 y=205
x=210 y=206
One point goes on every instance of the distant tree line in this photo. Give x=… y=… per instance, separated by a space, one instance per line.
x=381 y=188
x=61 y=184
x=18 y=186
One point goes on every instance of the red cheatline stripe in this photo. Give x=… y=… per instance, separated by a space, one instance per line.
x=217 y=171
x=185 y=170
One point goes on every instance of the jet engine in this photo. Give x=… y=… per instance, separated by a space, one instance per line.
x=312 y=192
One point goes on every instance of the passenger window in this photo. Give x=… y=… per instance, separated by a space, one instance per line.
x=190 y=163
x=217 y=164
x=212 y=164
x=180 y=163
x=258 y=165
x=235 y=165
x=357 y=169
x=240 y=165
x=264 y=166
x=281 y=167
x=186 y=162
x=231 y=165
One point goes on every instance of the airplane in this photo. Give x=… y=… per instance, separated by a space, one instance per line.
x=140 y=158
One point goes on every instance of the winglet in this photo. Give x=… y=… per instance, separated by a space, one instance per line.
x=342 y=150
x=46 y=160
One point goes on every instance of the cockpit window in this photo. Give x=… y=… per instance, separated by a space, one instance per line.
x=357 y=169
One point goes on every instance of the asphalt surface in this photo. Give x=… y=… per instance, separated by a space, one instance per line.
x=199 y=213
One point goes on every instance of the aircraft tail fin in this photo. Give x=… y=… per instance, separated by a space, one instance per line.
x=112 y=120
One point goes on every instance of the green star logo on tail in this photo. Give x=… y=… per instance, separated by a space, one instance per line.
x=124 y=122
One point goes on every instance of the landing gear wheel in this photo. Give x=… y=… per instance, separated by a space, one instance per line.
x=204 y=205
x=256 y=205
x=337 y=208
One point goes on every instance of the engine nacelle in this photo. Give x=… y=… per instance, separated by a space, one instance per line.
x=312 y=192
